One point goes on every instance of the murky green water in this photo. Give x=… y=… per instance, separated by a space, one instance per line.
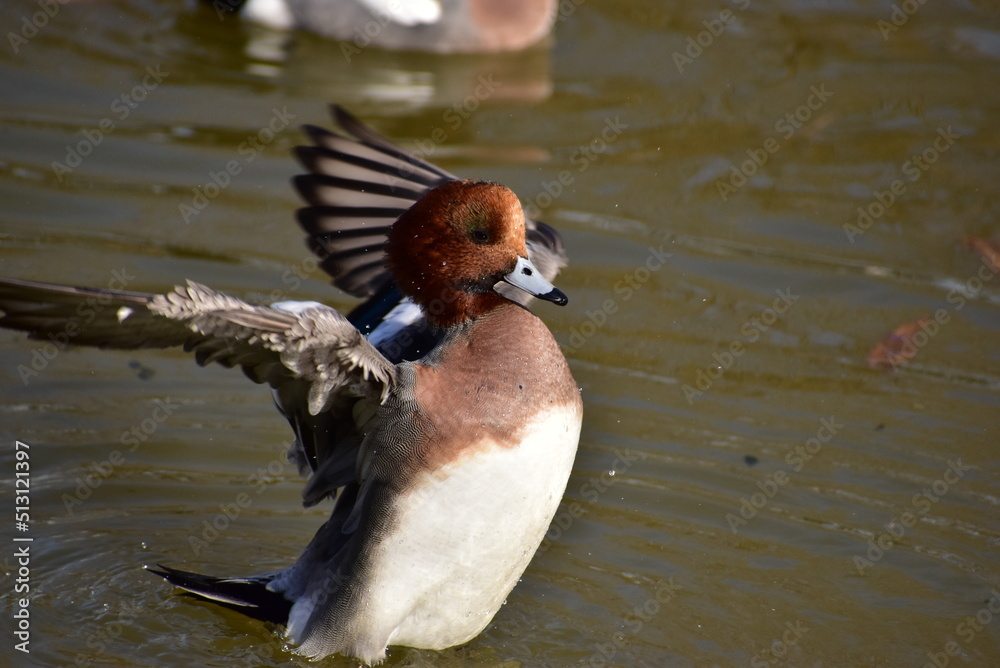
x=747 y=491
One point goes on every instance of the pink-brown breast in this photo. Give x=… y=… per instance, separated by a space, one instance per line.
x=487 y=386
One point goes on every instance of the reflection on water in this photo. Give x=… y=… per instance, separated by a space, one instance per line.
x=747 y=489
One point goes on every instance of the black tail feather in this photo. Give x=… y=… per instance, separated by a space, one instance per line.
x=249 y=596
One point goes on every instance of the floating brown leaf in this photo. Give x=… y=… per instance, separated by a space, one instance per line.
x=898 y=346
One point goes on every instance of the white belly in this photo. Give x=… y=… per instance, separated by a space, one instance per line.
x=465 y=534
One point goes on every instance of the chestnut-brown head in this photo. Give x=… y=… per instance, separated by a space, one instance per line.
x=449 y=250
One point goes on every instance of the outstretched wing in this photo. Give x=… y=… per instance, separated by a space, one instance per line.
x=318 y=364
x=358 y=184
x=315 y=344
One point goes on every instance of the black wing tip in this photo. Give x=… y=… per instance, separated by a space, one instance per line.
x=247 y=596
x=352 y=125
x=165 y=572
x=311 y=129
x=306 y=155
x=340 y=114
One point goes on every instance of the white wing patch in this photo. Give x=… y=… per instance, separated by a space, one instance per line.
x=398 y=318
x=296 y=307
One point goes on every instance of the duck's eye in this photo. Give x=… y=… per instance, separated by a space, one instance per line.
x=480 y=236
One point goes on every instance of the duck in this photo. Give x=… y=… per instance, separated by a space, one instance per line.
x=440 y=415
x=438 y=26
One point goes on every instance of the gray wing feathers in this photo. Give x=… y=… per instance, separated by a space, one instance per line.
x=273 y=346
x=325 y=348
x=85 y=316
x=318 y=345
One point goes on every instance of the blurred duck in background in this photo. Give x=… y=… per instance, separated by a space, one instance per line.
x=439 y=26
